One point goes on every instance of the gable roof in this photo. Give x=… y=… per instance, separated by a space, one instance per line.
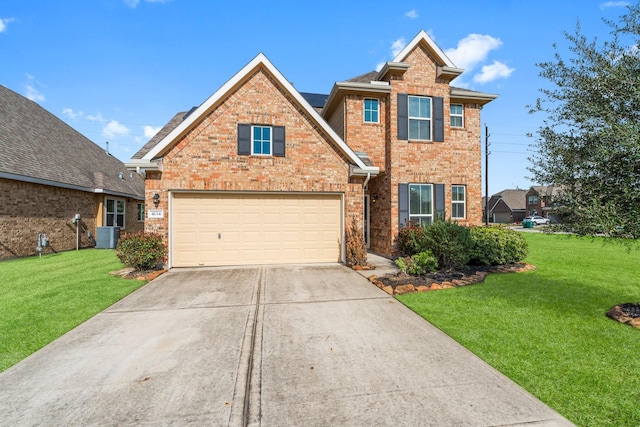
x=514 y=199
x=38 y=147
x=423 y=37
x=148 y=160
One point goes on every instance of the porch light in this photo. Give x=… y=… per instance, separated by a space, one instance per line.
x=156 y=199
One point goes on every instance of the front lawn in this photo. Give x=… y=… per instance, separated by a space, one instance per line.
x=547 y=330
x=42 y=298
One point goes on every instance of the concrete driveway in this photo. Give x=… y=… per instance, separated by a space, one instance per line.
x=270 y=346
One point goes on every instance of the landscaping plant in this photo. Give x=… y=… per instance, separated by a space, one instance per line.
x=497 y=246
x=449 y=242
x=356 y=246
x=418 y=264
x=142 y=251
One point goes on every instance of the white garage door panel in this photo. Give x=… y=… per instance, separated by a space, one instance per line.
x=239 y=229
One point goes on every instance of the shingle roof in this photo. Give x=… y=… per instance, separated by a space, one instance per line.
x=37 y=146
x=166 y=129
x=514 y=199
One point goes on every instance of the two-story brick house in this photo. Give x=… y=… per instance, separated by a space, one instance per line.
x=256 y=174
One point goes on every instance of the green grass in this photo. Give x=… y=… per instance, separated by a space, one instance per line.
x=43 y=298
x=547 y=330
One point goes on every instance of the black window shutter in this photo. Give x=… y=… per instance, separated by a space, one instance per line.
x=278 y=141
x=439 y=201
x=438 y=119
x=403 y=116
x=244 y=140
x=403 y=204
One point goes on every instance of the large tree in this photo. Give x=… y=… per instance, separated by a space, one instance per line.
x=589 y=143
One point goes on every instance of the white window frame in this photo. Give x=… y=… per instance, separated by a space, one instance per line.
x=453 y=115
x=376 y=111
x=253 y=140
x=420 y=118
x=116 y=215
x=141 y=211
x=462 y=202
x=416 y=213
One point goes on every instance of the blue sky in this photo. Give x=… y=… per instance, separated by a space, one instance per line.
x=118 y=70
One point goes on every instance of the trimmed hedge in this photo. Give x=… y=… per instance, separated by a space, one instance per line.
x=496 y=246
x=142 y=251
x=455 y=246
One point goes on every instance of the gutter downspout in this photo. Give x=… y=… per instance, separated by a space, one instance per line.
x=366 y=181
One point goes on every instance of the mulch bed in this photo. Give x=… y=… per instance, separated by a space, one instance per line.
x=400 y=283
x=132 y=273
x=628 y=313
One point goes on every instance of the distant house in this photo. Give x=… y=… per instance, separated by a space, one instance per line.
x=49 y=173
x=261 y=173
x=508 y=206
x=540 y=201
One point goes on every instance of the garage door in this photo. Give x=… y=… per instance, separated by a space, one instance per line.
x=210 y=229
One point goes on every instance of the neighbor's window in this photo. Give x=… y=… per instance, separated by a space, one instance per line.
x=371 y=110
x=457 y=115
x=421 y=203
x=533 y=200
x=458 y=201
x=261 y=140
x=115 y=213
x=140 y=211
x=420 y=118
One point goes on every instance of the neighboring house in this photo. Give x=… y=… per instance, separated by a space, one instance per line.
x=508 y=206
x=49 y=173
x=540 y=201
x=261 y=173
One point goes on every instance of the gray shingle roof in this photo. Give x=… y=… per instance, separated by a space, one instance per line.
x=37 y=146
x=514 y=199
x=166 y=130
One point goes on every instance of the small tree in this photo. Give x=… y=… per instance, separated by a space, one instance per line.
x=142 y=251
x=356 y=246
x=589 y=144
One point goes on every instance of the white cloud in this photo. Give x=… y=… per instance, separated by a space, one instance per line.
x=96 y=118
x=610 y=4
x=150 y=131
x=492 y=72
x=134 y=3
x=412 y=14
x=4 y=22
x=114 y=129
x=472 y=50
x=397 y=46
x=30 y=90
x=72 y=114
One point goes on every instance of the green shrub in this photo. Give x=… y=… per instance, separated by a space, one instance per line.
x=141 y=250
x=410 y=239
x=418 y=264
x=496 y=246
x=449 y=242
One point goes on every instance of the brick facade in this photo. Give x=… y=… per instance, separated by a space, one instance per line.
x=27 y=209
x=201 y=154
x=206 y=157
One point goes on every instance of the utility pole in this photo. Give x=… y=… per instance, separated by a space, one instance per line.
x=486 y=175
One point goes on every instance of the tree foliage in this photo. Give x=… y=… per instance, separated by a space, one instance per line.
x=589 y=143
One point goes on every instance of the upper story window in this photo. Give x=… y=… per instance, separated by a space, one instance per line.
x=421 y=203
x=458 y=201
x=533 y=200
x=115 y=213
x=420 y=118
x=371 y=110
x=457 y=115
x=261 y=140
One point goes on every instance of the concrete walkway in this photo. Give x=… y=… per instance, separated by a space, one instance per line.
x=262 y=346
